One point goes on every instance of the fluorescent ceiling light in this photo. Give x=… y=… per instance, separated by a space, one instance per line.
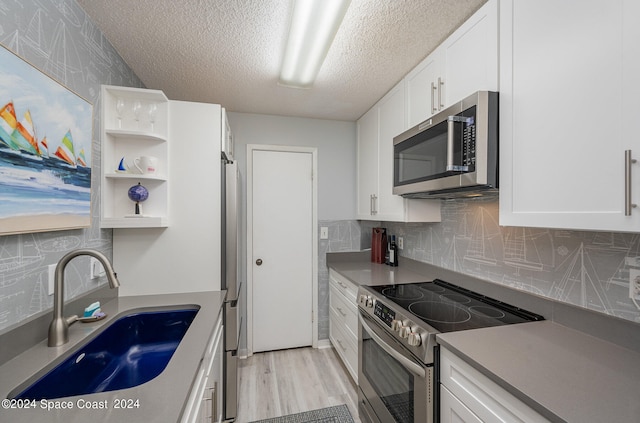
x=313 y=27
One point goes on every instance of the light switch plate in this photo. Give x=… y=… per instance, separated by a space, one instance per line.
x=324 y=232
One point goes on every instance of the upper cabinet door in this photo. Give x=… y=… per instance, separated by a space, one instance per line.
x=376 y=130
x=569 y=95
x=392 y=123
x=423 y=89
x=466 y=62
x=471 y=56
x=367 y=128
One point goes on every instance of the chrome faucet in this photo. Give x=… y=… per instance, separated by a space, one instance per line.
x=59 y=327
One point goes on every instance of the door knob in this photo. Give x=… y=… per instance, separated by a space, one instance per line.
x=259 y=262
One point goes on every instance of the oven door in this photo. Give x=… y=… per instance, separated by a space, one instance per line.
x=394 y=385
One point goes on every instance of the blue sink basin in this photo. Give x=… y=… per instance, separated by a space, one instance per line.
x=131 y=351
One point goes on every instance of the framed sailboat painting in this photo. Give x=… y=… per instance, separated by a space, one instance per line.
x=45 y=151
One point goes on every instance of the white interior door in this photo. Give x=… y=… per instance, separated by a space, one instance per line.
x=282 y=249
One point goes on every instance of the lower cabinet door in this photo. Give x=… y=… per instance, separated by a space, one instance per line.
x=344 y=344
x=454 y=411
x=204 y=410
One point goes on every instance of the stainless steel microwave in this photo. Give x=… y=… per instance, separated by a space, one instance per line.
x=452 y=154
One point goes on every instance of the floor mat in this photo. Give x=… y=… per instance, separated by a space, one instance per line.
x=335 y=414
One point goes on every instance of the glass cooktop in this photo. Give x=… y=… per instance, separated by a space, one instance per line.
x=449 y=308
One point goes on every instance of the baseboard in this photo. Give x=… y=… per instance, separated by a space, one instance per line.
x=324 y=343
x=321 y=344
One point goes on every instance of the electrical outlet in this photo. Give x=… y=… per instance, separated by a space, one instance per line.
x=96 y=271
x=51 y=278
x=400 y=243
x=634 y=283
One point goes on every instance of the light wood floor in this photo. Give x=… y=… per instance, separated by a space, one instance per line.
x=278 y=383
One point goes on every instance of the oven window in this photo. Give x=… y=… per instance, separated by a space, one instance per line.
x=392 y=383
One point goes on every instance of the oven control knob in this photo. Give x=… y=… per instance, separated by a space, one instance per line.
x=363 y=299
x=369 y=302
x=414 y=339
x=396 y=325
x=405 y=331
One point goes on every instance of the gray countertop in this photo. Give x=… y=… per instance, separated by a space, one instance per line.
x=564 y=374
x=371 y=274
x=567 y=375
x=161 y=399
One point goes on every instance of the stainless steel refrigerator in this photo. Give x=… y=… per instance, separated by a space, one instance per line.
x=231 y=282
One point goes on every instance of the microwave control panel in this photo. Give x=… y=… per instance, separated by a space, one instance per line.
x=469 y=144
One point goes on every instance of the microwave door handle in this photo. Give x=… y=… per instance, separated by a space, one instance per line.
x=450 y=130
x=406 y=363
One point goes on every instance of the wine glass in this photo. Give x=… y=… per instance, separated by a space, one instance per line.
x=119 y=110
x=137 y=107
x=153 y=110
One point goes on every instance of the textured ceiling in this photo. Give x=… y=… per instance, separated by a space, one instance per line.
x=229 y=51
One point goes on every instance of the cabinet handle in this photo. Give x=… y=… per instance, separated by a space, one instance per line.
x=433 y=102
x=341 y=312
x=440 y=88
x=214 y=403
x=375 y=205
x=628 y=161
x=371 y=204
x=341 y=346
x=206 y=399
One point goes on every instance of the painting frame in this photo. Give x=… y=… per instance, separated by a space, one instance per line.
x=45 y=171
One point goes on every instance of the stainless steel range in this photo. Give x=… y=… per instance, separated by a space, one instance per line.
x=397 y=343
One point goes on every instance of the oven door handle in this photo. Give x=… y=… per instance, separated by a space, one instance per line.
x=406 y=363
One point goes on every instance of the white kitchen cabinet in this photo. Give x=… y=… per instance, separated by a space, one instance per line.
x=367 y=147
x=466 y=395
x=376 y=130
x=569 y=84
x=135 y=123
x=391 y=122
x=452 y=410
x=343 y=320
x=204 y=404
x=423 y=88
x=466 y=62
x=470 y=56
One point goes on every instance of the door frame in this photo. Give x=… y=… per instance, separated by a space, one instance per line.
x=314 y=236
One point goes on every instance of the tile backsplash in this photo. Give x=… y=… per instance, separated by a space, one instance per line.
x=344 y=235
x=587 y=269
